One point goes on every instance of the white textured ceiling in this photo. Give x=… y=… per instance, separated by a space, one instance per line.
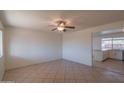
x=42 y=19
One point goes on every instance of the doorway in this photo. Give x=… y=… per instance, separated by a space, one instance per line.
x=108 y=50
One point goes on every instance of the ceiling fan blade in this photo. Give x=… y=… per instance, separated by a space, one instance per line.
x=52 y=25
x=72 y=27
x=54 y=29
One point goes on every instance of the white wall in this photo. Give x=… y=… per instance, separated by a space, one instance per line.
x=26 y=47
x=97 y=52
x=97 y=43
x=77 y=46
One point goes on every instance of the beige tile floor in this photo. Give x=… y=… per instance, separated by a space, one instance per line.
x=111 y=65
x=61 y=71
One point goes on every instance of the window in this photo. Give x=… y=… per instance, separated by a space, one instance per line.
x=113 y=43
x=106 y=43
x=1 y=44
x=118 y=43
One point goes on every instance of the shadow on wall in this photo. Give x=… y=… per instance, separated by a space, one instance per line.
x=16 y=62
x=2 y=68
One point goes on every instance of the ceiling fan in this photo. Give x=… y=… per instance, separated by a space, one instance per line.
x=62 y=26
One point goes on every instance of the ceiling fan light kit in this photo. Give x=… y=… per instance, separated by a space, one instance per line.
x=60 y=28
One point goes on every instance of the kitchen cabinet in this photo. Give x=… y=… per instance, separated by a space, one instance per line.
x=100 y=55
x=116 y=54
x=103 y=55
